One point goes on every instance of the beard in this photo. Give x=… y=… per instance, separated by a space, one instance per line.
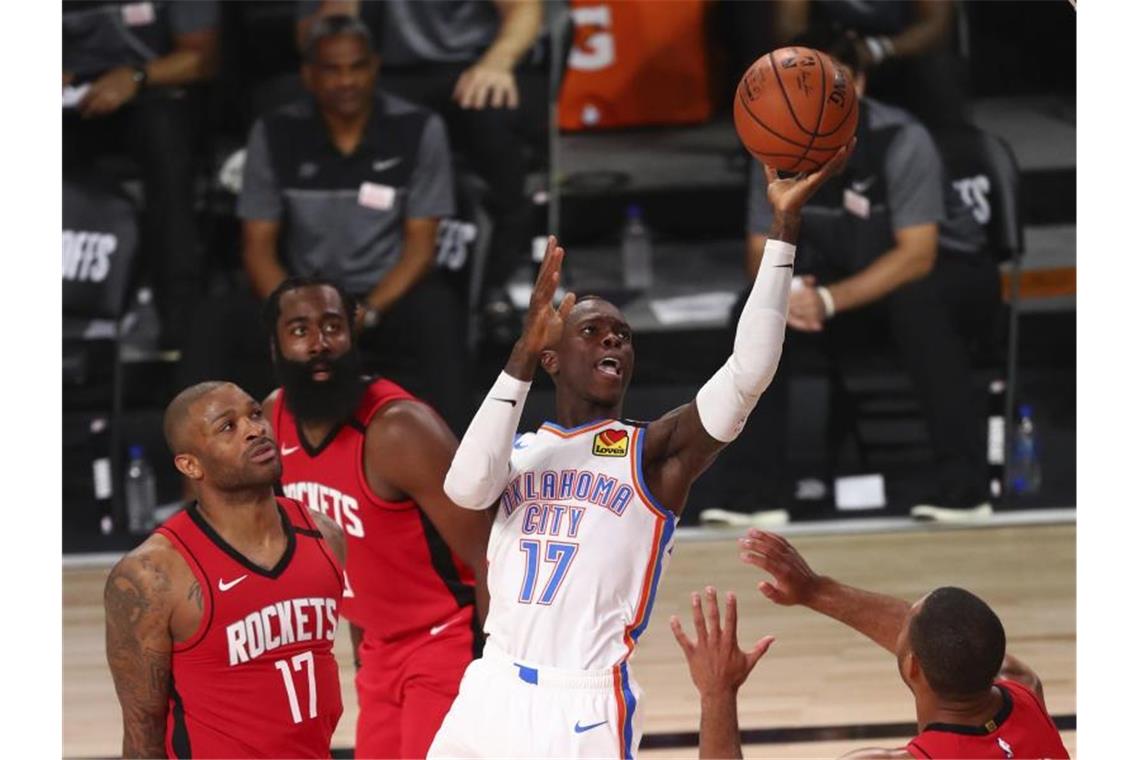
x=331 y=400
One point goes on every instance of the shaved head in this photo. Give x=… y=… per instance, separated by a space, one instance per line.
x=173 y=420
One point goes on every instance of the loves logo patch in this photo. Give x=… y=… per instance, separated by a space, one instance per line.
x=611 y=443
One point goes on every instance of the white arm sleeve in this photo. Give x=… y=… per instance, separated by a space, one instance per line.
x=481 y=466
x=726 y=400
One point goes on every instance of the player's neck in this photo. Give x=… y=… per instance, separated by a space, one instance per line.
x=242 y=518
x=574 y=411
x=972 y=711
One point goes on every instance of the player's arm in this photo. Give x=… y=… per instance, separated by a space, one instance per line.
x=718 y=667
x=681 y=444
x=410 y=448
x=481 y=466
x=138 y=603
x=332 y=534
x=1016 y=670
x=877 y=616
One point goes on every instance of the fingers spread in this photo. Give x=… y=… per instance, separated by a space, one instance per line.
x=730 y=617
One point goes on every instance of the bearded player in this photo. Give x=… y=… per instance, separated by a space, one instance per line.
x=587 y=508
x=373 y=457
x=220 y=625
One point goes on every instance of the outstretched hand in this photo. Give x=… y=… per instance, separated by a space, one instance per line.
x=793 y=580
x=789 y=195
x=542 y=327
x=717 y=664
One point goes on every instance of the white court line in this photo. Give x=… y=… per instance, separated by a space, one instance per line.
x=814 y=528
x=885 y=525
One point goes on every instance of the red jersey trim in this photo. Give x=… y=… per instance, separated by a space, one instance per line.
x=199 y=572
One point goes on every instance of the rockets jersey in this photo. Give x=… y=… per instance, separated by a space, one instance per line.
x=577 y=548
x=258 y=678
x=1021 y=728
x=401 y=577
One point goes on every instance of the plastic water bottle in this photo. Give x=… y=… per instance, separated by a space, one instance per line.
x=995 y=438
x=140 y=492
x=101 y=479
x=636 y=252
x=1025 y=467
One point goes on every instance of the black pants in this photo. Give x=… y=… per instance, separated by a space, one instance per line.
x=419 y=344
x=492 y=142
x=930 y=324
x=155 y=130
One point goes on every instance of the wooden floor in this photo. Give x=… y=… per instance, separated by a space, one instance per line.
x=818 y=673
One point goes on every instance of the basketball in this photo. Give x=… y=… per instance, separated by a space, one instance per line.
x=795 y=108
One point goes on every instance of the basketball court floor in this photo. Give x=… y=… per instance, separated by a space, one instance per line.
x=821 y=690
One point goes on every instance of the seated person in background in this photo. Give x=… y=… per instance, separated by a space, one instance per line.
x=461 y=59
x=904 y=46
x=124 y=65
x=350 y=184
x=889 y=250
x=971 y=698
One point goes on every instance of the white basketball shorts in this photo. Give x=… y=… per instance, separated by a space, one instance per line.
x=508 y=708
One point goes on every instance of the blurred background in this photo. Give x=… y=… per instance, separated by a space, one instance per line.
x=610 y=125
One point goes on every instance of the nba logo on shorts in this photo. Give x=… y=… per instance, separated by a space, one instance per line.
x=611 y=443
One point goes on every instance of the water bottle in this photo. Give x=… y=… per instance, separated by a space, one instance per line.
x=995 y=438
x=1025 y=467
x=636 y=254
x=140 y=492
x=101 y=479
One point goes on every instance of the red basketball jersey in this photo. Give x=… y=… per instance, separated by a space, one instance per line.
x=1022 y=728
x=401 y=576
x=258 y=678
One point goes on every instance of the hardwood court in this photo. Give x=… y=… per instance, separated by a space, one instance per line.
x=818 y=673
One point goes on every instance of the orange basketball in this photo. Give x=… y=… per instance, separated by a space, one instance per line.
x=795 y=108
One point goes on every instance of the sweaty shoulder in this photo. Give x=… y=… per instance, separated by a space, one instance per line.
x=401 y=418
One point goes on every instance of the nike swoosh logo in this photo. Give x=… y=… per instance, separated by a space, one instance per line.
x=223 y=586
x=510 y=401
x=287 y=450
x=580 y=729
x=783 y=266
x=379 y=166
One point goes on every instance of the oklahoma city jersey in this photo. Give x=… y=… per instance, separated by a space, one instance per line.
x=258 y=678
x=577 y=548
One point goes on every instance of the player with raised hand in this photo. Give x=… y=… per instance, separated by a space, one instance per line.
x=972 y=699
x=587 y=507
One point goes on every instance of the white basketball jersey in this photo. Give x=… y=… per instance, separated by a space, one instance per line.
x=577 y=549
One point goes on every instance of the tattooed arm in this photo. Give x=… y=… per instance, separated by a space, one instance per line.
x=138 y=601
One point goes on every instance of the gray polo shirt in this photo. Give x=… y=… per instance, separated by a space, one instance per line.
x=342 y=216
x=416 y=32
x=894 y=180
x=98 y=36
